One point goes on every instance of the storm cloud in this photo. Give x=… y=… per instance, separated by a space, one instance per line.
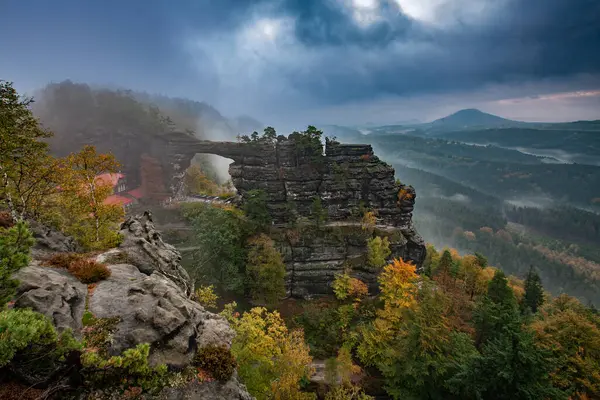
x=273 y=58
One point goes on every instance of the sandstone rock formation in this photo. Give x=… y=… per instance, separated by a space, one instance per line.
x=149 y=293
x=346 y=178
x=143 y=246
x=54 y=293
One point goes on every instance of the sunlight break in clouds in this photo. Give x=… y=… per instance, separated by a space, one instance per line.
x=442 y=12
x=553 y=96
x=364 y=12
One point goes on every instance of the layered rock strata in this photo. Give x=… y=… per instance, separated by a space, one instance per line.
x=346 y=178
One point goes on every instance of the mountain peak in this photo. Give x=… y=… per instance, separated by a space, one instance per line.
x=471 y=117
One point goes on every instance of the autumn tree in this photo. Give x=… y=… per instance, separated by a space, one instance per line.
x=378 y=250
x=397 y=283
x=265 y=271
x=345 y=286
x=368 y=222
x=534 y=291
x=426 y=352
x=271 y=359
x=571 y=332
x=444 y=269
x=196 y=182
x=88 y=218
x=27 y=172
x=432 y=258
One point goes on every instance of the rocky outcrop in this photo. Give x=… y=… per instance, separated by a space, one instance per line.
x=314 y=256
x=147 y=294
x=50 y=240
x=152 y=309
x=54 y=293
x=143 y=246
x=232 y=390
x=347 y=179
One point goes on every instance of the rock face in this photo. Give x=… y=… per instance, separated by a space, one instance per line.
x=346 y=178
x=50 y=240
x=154 y=310
x=54 y=293
x=151 y=298
x=145 y=249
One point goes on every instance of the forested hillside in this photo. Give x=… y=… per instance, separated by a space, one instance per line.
x=535 y=186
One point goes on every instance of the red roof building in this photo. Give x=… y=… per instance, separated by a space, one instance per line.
x=121 y=196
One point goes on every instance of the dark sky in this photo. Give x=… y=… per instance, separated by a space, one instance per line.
x=320 y=61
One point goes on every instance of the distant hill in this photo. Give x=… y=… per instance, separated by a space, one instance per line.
x=470 y=118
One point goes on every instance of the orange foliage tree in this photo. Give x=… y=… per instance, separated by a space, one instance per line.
x=87 y=218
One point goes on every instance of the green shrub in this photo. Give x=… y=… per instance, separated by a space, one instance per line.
x=217 y=360
x=130 y=369
x=23 y=330
x=89 y=271
x=15 y=243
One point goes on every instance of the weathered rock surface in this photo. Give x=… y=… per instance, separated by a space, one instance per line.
x=154 y=310
x=151 y=298
x=232 y=390
x=54 y=293
x=347 y=179
x=50 y=240
x=145 y=249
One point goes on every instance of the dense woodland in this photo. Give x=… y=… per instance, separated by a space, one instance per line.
x=465 y=328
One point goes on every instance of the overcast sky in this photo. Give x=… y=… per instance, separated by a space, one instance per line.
x=319 y=61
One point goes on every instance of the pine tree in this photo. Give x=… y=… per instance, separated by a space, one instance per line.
x=534 y=291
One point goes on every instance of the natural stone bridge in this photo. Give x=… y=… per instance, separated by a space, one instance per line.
x=347 y=178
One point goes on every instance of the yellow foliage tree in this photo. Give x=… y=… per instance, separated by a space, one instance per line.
x=92 y=222
x=206 y=296
x=369 y=221
x=398 y=288
x=569 y=330
x=271 y=359
x=197 y=182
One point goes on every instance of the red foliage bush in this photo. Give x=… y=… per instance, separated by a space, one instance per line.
x=89 y=271
x=63 y=260
x=6 y=220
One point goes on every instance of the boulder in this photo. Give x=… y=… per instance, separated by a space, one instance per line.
x=54 y=293
x=153 y=309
